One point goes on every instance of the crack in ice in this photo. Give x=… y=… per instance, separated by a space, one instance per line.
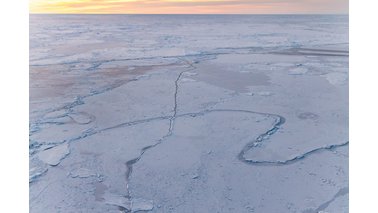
x=130 y=163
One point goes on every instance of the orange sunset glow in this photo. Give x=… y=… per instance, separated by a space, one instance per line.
x=189 y=6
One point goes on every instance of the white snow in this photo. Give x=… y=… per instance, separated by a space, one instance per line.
x=54 y=155
x=337 y=78
x=82 y=173
x=298 y=71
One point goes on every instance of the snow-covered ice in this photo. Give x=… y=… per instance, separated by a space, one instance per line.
x=54 y=155
x=160 y=113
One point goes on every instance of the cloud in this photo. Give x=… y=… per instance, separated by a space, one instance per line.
x=189 y=6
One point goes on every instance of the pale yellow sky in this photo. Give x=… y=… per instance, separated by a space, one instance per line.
x=188 y=6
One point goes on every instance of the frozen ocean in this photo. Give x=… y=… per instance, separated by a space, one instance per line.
x=189 y=113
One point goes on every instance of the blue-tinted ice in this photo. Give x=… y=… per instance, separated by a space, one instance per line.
x=189 y=113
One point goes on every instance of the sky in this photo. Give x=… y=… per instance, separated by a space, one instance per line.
x=189 y=6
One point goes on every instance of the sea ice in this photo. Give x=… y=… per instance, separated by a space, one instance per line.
x=54 y=155
x=82 y=173
x=134 y=205
x=138 y=204
x=298 y=71
x=189 y=113
x=336 y=78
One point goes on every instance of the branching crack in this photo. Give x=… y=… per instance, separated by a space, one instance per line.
x=130 y=163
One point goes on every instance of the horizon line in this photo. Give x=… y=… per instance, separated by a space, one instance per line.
x=188 y=13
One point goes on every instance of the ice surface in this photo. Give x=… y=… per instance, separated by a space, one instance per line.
x=141 y=205
x=336 y=78
x=54 y=155
x=298 y=71
x=36 y=169
x=134 y=205
x=137 y=113
x=82 y=173
x=117 y=200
